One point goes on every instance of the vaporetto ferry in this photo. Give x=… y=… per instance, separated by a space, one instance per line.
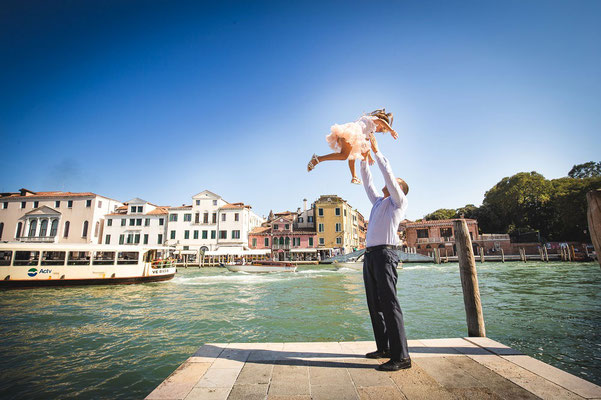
x=33 y=265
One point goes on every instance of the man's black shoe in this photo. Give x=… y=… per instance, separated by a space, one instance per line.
x=394 y=365
x=378 y=354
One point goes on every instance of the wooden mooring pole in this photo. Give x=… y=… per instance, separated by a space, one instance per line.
x=469 y=280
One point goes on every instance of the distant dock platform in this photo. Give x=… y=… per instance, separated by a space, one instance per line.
x=457 y=368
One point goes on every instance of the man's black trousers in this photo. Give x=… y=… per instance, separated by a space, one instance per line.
x=380 y=278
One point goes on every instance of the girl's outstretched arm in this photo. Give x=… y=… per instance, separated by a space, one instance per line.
x=384 y=127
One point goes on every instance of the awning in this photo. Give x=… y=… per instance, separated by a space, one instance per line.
x=236 y=251
x=303 y=251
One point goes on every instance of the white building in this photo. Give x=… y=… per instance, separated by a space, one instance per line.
x=137 y=222
x=53 y=217
x=210 y=223
x=306 y=217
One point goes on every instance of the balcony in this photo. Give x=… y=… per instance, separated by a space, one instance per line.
x=281 y=247
x=436 y=240
x=37 y=239
x=491 y=236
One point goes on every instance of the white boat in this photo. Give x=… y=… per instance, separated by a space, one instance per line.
x=263 y=266
x=33 y=265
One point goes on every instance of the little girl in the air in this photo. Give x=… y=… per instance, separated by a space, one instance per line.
x=351 y=140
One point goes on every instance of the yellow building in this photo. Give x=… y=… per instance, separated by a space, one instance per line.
x=337 y=225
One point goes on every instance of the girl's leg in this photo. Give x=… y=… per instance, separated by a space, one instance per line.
x=351 y=166
x=345 y=150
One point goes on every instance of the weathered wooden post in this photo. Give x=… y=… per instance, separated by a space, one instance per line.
x=502 y=256
x=546 y=253
x=469 y=280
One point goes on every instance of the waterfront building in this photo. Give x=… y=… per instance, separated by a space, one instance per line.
x=287 y=235
x=137 y=222
x=54 y=217
x=211 y=223
x=424 y=236
x=337 y=226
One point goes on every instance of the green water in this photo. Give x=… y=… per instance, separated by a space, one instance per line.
x=122 y=341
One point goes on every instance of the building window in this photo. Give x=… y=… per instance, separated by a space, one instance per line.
x=43 y=227
x=133 y=209
x=36 y=204
x=57 y=204
x=132 y=221
x=70 y=203
x=146 y=238
x=235 y=234
x=137 y=238
x=236 y=217
x=147 y=222
x=123 y=222
x=88 y=203
x=186 y=234
x=337 y=211
x=53 y=228
x=66 y=229
x=300 y=220
x=223 y=217
x=173 y=217
x=160 y=238
x=161 y=221
x=197 y=202
x=321 y=241
x=320 y=212
x=138 y=221
x=320 y=227
x=422 y=233
x=205 y=218
x=287 y=226
x=121 y=239
x=23 y=204
x=84 y=232
x=130 y=238
x=214 y=218
x=214 y=202
x=172 y=234
x=310 y=242
x=19 y=228
x=254 y=242
x=197 y=218
x=96 y=228
x=266 y=242
x=276 y=227
x=99 y=203
x=109 y=222
x=195 y=234
x=310 y=218
x=107 y=239
x=186 y=247
x=222 y=234
x=338 y=240
x=446 y=232
x=205 y=234
x=187 y=217
x=5 y=205
x=338 y=227
x=140 y=209
x=213 y=234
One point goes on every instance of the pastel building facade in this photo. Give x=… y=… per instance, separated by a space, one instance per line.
x=337 y=226
x=137 y=222
x=54 y=217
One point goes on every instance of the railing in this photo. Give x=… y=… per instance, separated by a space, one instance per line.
x=435 y=240
x=281 y=246
x=37 y=239
x=491 y=236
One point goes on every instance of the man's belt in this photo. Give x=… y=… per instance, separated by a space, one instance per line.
x=382 y=247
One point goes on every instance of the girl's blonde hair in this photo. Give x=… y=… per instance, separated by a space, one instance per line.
x=383 y=115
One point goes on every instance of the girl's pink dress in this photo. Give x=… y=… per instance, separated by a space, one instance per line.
x=355 y=133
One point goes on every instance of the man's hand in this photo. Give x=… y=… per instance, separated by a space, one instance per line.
x=367 y=157
x=374 y=142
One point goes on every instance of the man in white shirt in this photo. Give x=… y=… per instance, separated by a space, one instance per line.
x=380 y=264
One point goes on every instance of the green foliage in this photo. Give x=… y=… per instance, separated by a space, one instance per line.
x=590 y=169
x=527 y=202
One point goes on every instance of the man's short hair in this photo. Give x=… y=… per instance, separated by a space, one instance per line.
x=403 y=185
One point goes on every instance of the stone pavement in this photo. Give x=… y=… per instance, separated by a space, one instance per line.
x=459 y=368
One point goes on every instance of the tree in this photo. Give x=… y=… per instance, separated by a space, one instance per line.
x=587 y=170
x=468 y=211
x=442 y=213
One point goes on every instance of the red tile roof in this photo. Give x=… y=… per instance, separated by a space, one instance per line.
x=260 y=229
x=235 y=205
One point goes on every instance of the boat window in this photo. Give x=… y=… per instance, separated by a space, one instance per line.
x=79 y=258
x=128 y=257
x=104 y=258
x=150 y=255
x=26 y=257
x=5 y=258
x=53 y=258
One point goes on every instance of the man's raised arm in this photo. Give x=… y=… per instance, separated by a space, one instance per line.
x=396 y=193
x=368 y=182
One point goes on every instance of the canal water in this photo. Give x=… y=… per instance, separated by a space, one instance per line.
x=121 y=341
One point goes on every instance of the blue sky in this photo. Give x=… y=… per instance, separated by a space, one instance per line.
x=161 y=100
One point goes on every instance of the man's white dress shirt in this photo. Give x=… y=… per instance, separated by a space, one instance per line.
x=386 y=213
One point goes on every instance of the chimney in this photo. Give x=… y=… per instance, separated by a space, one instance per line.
x=305 y=204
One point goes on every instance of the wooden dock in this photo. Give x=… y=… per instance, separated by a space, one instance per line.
x=459 y=368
